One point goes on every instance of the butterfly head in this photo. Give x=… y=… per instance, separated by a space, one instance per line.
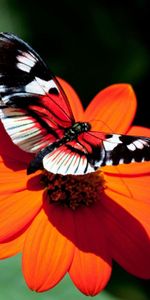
x=80 y=127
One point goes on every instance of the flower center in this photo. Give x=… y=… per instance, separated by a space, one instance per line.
x=73 y=191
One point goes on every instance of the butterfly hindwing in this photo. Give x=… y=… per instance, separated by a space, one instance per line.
x=33 y=106
x=93 y=150
x=67 y=159
x=90 y=151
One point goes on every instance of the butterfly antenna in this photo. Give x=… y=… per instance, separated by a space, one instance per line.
x=103 y=123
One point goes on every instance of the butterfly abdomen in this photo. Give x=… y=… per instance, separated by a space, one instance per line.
x=37 y=162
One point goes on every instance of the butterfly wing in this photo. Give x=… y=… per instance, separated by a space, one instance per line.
x=115 y=149
x=33 y=107
x=93 y=150
x=68 y=159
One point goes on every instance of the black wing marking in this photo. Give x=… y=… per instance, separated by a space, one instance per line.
x=19 y=64
x=118 y=149
x=130 y=149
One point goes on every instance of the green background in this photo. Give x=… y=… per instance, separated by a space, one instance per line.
x=91 y=44
x=121 y=286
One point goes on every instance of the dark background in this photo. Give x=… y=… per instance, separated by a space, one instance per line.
x=91 y=44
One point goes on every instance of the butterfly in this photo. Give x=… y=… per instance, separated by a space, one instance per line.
x=37 y=116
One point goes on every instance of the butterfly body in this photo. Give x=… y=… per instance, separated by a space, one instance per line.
x=38 y=118
x=77 y=128
x=70 y=134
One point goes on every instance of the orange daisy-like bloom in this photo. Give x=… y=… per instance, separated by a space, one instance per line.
x=78 y=224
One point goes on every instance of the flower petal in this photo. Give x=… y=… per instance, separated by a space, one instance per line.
x=73 y=98
x=48 y=252
x=20 y=202
x=140 y=210
x=132 y=169
x=139 y=130
x=135 y=186
x=10 y=154
x=12 y=247
x=113 y=109
x=12 y=182
x=127 y=228
x=91 y=266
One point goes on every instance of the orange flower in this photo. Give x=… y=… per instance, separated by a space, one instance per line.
x=112 y=219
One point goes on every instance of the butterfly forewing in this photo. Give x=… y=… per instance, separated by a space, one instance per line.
x=33 y=106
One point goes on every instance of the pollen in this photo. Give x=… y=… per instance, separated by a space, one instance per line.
x=73 y=191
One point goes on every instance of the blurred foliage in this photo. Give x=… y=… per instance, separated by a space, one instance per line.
x=91 y=44
x=13 y=287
